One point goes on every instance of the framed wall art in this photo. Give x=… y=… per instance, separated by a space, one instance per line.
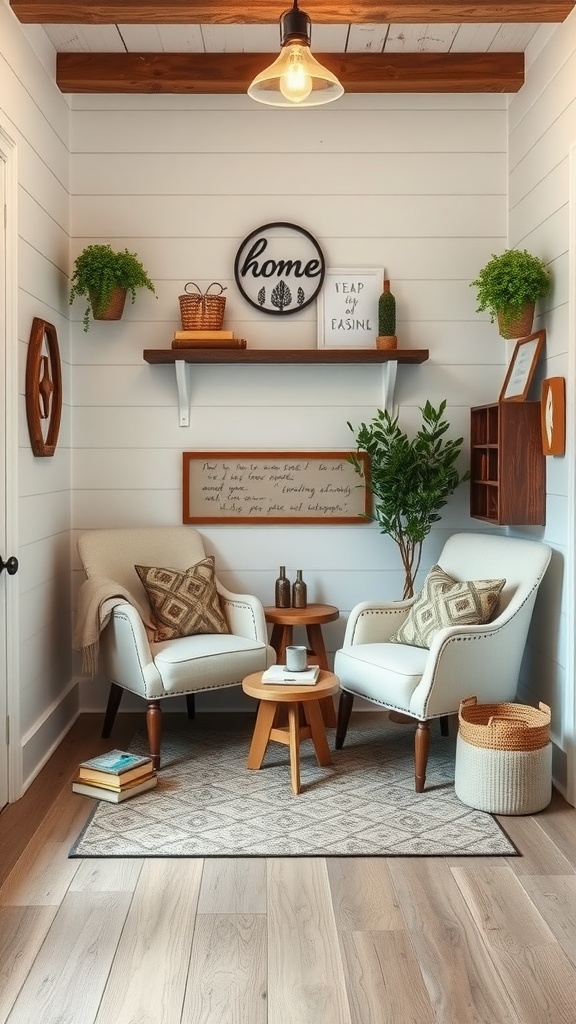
x=348 y=307
x=274 y=487
x=521 y=368
x=553 y=412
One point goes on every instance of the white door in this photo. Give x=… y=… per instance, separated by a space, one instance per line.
x=10 y=762
x=4 y=581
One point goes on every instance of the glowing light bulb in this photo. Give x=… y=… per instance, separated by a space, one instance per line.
x=295 y=84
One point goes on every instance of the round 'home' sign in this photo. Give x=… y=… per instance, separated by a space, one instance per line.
x=279 y=268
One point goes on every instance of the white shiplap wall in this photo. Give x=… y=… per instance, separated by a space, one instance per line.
x=541 y=216
x=36 y=117
x=417 y=185
x=414 y=184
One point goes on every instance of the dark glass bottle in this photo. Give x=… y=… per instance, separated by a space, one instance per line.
x=282 y=590
x=299 y=591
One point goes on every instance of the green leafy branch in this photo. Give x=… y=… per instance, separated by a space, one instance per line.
x=411 y=480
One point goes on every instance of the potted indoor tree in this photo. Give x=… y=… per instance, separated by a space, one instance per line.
x=509 y=287
x=104 y=276
x=410 y=480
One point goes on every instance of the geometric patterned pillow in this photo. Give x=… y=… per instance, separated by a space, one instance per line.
x=183 y=603
x=443 y=601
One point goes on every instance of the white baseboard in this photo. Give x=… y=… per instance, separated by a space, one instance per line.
x=40 y=742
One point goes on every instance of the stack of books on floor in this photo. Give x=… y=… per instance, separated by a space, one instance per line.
x=207 y=339
x=278 y=674
x=115 y=776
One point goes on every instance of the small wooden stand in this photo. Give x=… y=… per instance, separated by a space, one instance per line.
x=288 y=715
x=312 y=618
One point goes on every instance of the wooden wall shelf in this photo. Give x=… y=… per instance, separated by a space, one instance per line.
x=508 y=467
x=286 y=355
x=182 y=358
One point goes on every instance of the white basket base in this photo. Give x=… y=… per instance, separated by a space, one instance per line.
x=503 y=781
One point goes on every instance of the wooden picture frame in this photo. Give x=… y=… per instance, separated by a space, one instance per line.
x=43 y=388
x=553 y=416
x=348 y=307
x=521 y=368
x=274 y=487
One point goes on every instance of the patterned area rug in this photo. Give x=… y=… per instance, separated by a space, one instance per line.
x=208 y=804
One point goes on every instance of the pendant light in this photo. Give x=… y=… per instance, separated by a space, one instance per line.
x=296 y=78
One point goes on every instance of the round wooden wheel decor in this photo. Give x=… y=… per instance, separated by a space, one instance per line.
x=43 y=387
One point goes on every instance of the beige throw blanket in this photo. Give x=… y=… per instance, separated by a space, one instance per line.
x=97 y=599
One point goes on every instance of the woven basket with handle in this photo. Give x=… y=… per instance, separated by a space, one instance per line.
x=199 y=310
x=504 y=726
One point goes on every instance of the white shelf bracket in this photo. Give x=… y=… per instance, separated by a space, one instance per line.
x=182 y=383
x=389 y=370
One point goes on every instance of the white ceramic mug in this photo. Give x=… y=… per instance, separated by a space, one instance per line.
x=296 y=659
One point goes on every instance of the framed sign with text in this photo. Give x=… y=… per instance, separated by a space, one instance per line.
x=348 y=307
x=274 y=487
x=521 y=368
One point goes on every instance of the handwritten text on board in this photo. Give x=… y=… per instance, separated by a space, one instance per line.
x=272 y=487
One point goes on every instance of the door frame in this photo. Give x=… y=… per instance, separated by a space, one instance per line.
x=569 y=709
x=8 y=153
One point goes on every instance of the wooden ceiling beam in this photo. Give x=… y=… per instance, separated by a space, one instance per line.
x=232 y=72
x=227 y=12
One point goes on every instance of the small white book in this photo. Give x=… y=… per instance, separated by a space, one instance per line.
x=280 y=674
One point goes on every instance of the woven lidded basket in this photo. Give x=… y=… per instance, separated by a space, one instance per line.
x=201 y=311
x=504 y=726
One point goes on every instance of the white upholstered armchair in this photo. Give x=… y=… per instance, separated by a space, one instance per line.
x=117 y=602
x=461 y=660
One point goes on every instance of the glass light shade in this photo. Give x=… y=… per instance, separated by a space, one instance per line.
x=295 y=79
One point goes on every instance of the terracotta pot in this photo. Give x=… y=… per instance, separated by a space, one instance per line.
x=386 y=341
x=521 y=327
x=115 y=307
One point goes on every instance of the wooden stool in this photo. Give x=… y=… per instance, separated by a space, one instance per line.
x=312 y=618
x=302 y=704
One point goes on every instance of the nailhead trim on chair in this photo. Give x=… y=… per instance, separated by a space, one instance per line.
x=242 y=605
x=379 y=611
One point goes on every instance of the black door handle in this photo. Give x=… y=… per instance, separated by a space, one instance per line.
x=11 y=565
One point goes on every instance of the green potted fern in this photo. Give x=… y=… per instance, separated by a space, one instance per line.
x=410 y=479
x=509 y=287
x=104 y=276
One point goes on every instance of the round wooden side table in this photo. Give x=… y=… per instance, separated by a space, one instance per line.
x=313 y=617
x=302 y=721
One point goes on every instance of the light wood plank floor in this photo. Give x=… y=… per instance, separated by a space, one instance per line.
x=278 y=941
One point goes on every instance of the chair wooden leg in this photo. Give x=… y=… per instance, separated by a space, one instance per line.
x=344 y=711
x=154 y=729
x=421 y=748
x=444 y=725
x=191 y=705
x=114 y=698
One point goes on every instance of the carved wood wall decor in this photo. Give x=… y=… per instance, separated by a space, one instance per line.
x=553 y=408
x=43 y=388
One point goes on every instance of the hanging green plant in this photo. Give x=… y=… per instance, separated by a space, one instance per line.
x=98 y=271
x=410 y=479
x=509 y=283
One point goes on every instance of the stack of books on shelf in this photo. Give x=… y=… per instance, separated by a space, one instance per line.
x=115 y=776
x=207 y=339
x=278 y=674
